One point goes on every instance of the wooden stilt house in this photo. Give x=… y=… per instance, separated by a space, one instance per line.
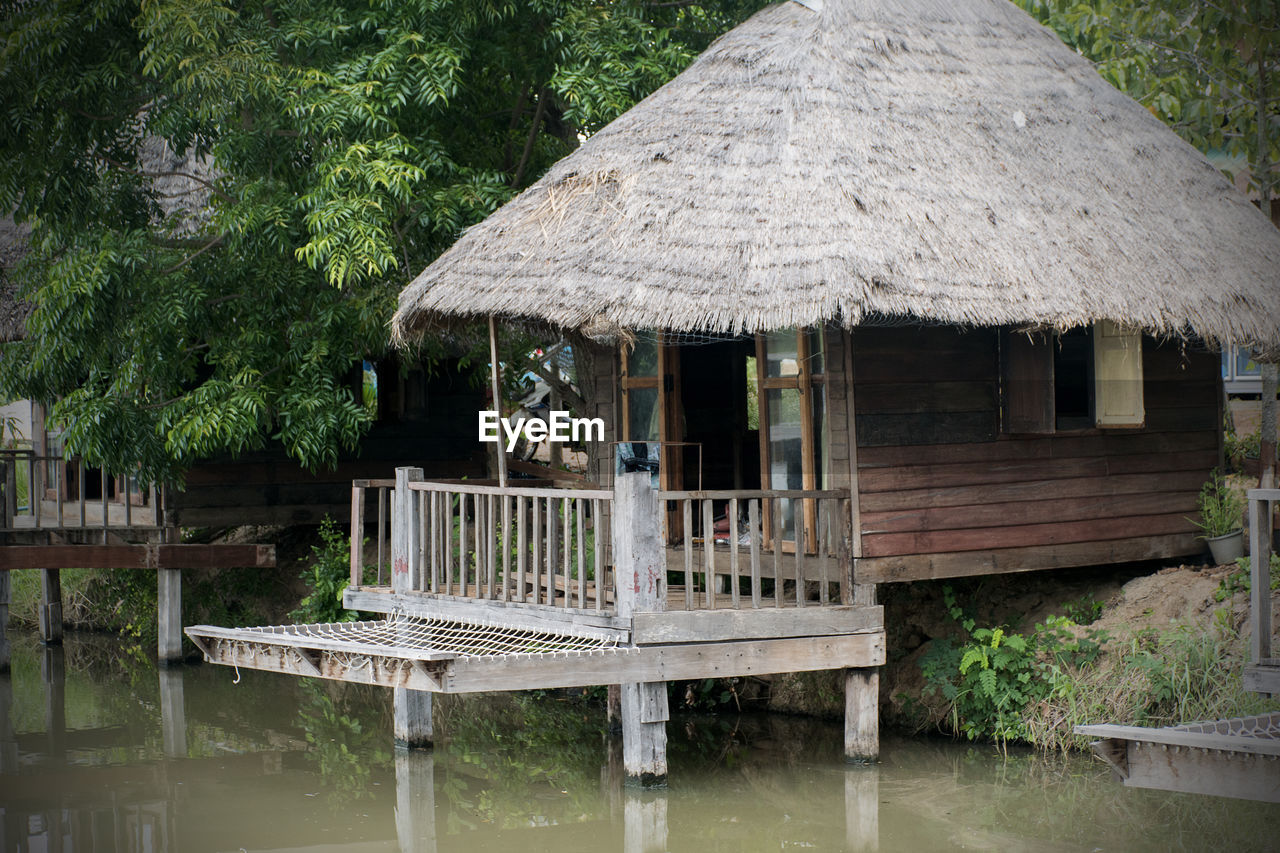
x=902 y=289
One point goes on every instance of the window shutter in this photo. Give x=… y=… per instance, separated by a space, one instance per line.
x=1028 y=382
x=1117 y=376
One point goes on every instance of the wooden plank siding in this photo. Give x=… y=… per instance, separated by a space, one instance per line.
x=942 y=492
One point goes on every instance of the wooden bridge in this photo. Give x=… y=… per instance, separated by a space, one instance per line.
x=50 y=520
x=509 y=588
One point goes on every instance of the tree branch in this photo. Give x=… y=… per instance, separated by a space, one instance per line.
x=543 y=97
x=561 y=387
x=216 y=241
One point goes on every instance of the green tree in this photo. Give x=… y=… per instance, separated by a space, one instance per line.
x=338 y=146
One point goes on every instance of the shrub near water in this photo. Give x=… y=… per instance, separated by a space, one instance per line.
x=992 y=675
x=1035 y=688
x=327 y=578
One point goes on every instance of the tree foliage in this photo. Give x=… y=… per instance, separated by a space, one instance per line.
x=338 y=146
x=1210 y=70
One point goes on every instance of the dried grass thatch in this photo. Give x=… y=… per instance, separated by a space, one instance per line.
x=914 y=158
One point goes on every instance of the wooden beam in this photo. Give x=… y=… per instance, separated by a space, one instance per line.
x=13 y=557
x=692 y=626
x=913 y=567
x=573 y=669
x=538 y=617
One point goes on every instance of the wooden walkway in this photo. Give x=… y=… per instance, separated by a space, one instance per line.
x=1238 y=757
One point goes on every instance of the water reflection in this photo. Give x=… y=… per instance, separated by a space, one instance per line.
x=104 y=753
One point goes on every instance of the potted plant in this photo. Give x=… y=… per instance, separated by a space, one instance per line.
x=1221 y=511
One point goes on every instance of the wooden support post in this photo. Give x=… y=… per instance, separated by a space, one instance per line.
x=862 y=809
x=641 y=579
x=416 y=801
x=412 y=708
x=862 y=715
x=50 y=606
x=169 y=615
x=173 y=713
x=862 y=700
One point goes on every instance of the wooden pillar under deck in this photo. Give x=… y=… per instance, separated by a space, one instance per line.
x=169 y=615
x=640 y=571
x=412 y=726
x=50 y=606
x=862 y=700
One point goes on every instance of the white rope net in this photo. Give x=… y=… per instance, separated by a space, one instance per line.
x=1266 y=726
x=445 y=637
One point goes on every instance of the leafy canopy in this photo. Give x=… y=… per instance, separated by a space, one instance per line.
x=227 y=195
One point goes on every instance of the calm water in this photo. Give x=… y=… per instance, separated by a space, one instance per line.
x=101 y=752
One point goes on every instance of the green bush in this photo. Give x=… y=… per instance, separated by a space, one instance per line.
x=326 y=578
x=992 y=675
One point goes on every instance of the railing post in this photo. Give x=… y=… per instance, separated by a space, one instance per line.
x=411 y=708
x=1260 y=516
x=357 y=535
x=641 y=578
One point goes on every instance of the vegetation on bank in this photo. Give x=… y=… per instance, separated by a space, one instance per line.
x=1033 y=687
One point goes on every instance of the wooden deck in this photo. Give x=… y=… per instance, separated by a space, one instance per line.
x=1237 y=757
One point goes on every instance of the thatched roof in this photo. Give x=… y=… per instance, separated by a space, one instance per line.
x=951 y=161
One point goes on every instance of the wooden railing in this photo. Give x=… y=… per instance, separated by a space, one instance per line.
x=753 y=561
x=552 y=547
x=470 y=540
x=36 y=495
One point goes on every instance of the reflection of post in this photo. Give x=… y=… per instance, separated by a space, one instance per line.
x=8 y=744
x=5 y=592
x=644 y=827
x=173 y=712
x=862 y=809
x=53 y=671
x=415 y=801
x=641 y=577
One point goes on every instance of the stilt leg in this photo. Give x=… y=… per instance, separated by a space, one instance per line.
x=169 y=613
x=173 y=713
x=862 y=715
x=51 y=606
x=644 y=734
x=862 y=809
x=412 y=710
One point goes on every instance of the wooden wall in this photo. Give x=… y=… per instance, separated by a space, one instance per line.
x=943 y=493
x=434 y=428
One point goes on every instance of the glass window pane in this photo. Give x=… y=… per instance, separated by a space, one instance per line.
x=785 y=449
x=643 y=360
x=1246 y=366
x=817 y=354
x=642 y=405
x=781 y=358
